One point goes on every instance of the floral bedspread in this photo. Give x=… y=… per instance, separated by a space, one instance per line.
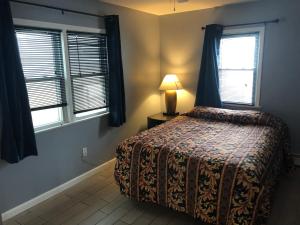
x=217 y=165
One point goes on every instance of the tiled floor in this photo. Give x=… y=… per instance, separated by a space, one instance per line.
x=98 y=201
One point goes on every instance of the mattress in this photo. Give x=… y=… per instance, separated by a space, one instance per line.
x=216 y=165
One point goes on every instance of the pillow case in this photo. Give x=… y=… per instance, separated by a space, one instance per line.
x=235 y=116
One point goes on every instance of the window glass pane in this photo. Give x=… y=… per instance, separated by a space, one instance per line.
x=236 y=86
x=89 y=93
x=43 y=90
x=238 y=52
x=46 y=117
x=238 y=68
x=37 y=54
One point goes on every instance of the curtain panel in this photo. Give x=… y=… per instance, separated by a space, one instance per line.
x=208 y=84
x=117 y=108
x=17 y=133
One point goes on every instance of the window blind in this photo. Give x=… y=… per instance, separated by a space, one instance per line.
x=42 y=62
x=89 y=70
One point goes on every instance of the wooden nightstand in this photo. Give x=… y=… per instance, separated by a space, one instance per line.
x=157 y=119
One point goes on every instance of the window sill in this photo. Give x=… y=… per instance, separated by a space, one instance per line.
x=57 y=126
x=241 y=107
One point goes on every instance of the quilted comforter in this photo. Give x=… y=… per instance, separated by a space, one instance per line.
x=217 y=165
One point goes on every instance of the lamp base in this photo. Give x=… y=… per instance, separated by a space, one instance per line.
x=171 y=114
x=171 y=101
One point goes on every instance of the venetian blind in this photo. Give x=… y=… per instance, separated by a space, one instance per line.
x=42 y=62
x=89 y=70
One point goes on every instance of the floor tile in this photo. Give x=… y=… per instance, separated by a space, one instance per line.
x=97 y=201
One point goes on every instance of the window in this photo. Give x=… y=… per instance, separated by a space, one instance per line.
x=89 y=71
x=240 y=66
x=66 y=73
x=41 y=57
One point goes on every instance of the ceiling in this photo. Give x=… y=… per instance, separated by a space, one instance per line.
x=163 y=7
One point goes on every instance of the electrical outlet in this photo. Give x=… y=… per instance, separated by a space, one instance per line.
x=84 y=152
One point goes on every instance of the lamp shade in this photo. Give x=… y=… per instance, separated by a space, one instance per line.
x=170 y=82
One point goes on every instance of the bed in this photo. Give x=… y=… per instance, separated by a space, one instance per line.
x=216 y=165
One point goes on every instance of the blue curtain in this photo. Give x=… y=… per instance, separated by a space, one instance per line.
x=117 y=110
x=208 y=85
x=17 y=133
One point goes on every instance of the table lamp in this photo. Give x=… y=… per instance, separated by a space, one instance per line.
x=170 y=85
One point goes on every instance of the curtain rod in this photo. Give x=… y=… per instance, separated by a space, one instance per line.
x=246 y=24
x=56 y=8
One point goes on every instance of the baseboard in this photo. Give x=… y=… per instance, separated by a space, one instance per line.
x=27 y=205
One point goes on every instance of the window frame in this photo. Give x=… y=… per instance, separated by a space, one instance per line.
x=240 y=31
x=67 y=115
